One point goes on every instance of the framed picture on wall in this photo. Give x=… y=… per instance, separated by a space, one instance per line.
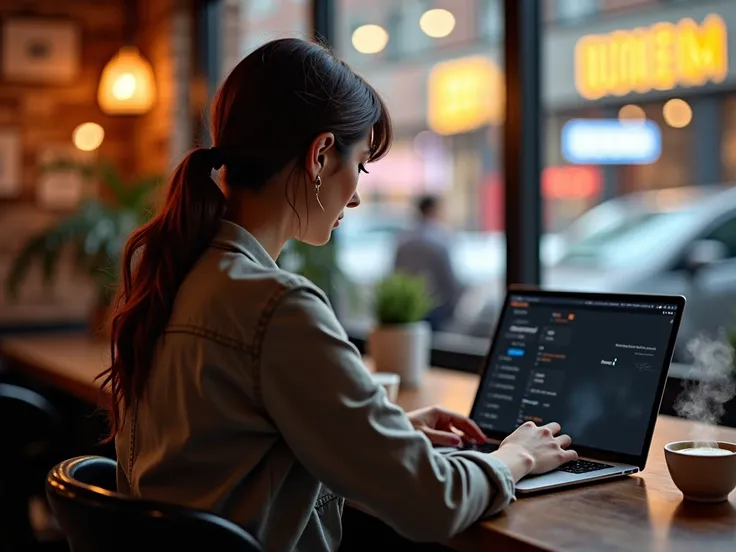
x=10 y=163
x=40 y=50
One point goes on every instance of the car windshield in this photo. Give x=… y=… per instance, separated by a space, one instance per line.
x=627 y=241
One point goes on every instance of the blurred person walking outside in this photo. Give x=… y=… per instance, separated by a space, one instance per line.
x=425 y=251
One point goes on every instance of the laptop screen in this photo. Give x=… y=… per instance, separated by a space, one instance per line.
x=594 y=366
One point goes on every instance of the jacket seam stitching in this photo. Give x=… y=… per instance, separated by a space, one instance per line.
x=211 y=335
x=263 y=322
x=324 y=500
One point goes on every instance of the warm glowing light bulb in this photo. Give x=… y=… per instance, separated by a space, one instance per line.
x=88 y=136
x=127 y=85
x=437 y=23
x=677 y=113
x=631 y=112
x=124 y=87
x=370 y=39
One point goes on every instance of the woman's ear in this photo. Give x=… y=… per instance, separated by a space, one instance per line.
x=317 y=155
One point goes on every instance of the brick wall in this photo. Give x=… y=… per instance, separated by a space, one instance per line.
x=47 y=115
x=163 y=135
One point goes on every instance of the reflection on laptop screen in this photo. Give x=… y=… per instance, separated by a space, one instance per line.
x=593 y=366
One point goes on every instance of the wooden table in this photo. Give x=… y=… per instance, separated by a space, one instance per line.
x=640 y=513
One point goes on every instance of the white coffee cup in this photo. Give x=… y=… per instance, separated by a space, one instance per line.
x=390 y=382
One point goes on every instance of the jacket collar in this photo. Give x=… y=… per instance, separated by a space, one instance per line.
x=236 y=238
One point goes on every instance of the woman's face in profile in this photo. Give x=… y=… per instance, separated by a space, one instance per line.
x=338 y=190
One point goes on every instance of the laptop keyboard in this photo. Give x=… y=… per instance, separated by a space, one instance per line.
x=576 y=466
x=582 y=466
x=480 y=447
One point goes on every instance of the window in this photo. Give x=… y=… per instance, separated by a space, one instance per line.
x=628 y=229
x=264 y=20
x=572 y=11
x=405 y=36
x=490 y=20
x=258 y=9
x=395 y=27
x=428 y=90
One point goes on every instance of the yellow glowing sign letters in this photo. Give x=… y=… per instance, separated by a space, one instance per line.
x=464 y=94
x=659 y=57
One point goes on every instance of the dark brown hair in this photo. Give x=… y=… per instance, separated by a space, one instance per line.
x=266 y=115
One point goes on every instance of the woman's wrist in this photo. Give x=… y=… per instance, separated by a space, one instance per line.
x=518 y=460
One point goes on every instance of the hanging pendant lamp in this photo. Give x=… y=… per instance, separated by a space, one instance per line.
x=127 y=85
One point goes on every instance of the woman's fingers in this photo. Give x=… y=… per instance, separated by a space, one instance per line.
x=442 y=438
x=554 y=427
x=469 y=428
x=564 y=441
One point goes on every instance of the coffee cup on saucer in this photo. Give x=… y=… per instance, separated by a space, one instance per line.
x=704 y=472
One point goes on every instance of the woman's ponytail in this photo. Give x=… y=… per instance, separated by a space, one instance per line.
x=271 y=107
x=156 y=259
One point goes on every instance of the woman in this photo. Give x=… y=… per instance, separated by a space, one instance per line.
x=235 y=388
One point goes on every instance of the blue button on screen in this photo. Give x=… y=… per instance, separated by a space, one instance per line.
x=515 y=352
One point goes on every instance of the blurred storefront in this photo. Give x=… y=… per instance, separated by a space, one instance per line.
x=670 y=63
x=667 y=61
x=611 y=63
x=445 y=94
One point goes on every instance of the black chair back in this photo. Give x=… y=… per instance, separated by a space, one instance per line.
x=31 y=436
x=95 y=517
x=29 y=425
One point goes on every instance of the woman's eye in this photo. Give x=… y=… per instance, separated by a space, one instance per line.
x=361 y=168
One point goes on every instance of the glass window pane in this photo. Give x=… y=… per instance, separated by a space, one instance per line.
x=440 y=73
x=264 y=20
x=656 y=75
x=576 y=10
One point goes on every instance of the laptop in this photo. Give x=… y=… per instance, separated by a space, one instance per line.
x=595 y=363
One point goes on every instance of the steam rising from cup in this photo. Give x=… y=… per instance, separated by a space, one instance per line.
x=712 y=385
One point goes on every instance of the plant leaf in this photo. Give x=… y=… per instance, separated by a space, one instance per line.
x=111 y=178
x=23 y=262
x=52 y=247
x=402 y=299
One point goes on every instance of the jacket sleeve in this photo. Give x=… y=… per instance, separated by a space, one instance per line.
x=341 y=426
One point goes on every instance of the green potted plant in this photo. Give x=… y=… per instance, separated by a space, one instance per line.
x=96 y=232
x=401 y=339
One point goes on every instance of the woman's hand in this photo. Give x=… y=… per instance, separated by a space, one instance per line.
x=438 y=424
x=535 y=449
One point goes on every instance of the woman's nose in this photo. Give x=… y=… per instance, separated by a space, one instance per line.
x=354 y=201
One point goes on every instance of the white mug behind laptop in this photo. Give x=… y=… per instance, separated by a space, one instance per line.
x=390 y=383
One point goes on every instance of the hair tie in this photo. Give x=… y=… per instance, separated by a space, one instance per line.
x=217 y=157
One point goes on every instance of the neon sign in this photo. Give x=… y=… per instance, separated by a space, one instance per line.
x=611 y=142
x=659 y=57
x=464 y=94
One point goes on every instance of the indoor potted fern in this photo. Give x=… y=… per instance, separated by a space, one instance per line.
x=96 y=232
x=401 y=340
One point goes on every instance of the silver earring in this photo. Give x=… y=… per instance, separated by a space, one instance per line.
x=317 y=186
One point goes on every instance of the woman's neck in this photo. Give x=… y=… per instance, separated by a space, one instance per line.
x=257 y=215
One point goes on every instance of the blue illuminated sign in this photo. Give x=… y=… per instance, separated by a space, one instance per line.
x=611 y=142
